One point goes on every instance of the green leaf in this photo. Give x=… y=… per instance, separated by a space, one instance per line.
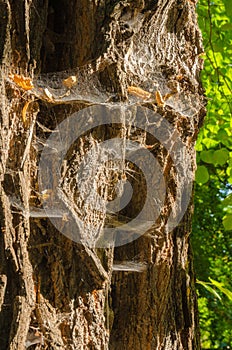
x=223 y=135
x=209 y=143
x=228 y=8
x=230 y=180
x=198 y=146
x=221 y=156
x=213 y=128
x=218 y=47
x=227 y=222
x=226 y=26
x=209 y=288
x=222 y=288
x=229 y=167
x=207 y=156
x=227 y=201
x=202 y=175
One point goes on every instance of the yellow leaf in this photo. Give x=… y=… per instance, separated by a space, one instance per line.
x=24 y=111
x=136 y=91
x=159 y=98
x=24 y=83
x=70 y=81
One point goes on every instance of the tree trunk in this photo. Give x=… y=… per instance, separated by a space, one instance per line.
x=75 y=275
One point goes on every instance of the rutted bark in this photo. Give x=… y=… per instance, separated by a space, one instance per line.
x=57 y=293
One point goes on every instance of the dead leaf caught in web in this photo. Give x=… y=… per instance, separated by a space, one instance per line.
x=24 y=111
x=70 y=81
x=24 y=83
x=48 y=95
x=136 y=91
x=159 y=98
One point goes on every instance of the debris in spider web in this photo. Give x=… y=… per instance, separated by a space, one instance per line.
x=35 y=212
x=48 y=95
x=82 y=85
x=159 y=98
x=55 y=146
x=22 y=82
x=33 y=337
x=121 y=221
x=129 y=266
x=70 y=81
x=136 y=91
x=24 y=111
x=79 y=85
x=51 y=213
x=28 y=143
x=146 y=80
x=44 y=128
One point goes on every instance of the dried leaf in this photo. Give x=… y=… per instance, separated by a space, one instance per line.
x=46 y=194
x=167 y=96
x=70 y=81
x=136 y=91
x=24 y=83
x=24 y=111
x=48 y=95
x=159 y=98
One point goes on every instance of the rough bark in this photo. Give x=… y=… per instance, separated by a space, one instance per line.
x=62 y=294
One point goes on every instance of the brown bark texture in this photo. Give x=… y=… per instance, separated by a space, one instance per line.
x=58 y=58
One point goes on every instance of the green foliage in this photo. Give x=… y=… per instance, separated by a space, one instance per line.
x=212 y=226
x=209 y=288
x=217 y=284
x=222 y=288
x=202 y=175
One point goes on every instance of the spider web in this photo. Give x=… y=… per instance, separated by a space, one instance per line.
x=141 y=65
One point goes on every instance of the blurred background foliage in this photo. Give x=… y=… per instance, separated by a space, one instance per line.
x=212 y=224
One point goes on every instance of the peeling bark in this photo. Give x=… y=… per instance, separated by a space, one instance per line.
x=55 y=293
